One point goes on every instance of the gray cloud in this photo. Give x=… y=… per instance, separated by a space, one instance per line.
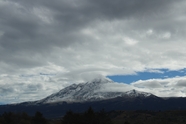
x=73 y=41
x=5 y=90
x=148 y=84
x=163 y=87
x=181 y=83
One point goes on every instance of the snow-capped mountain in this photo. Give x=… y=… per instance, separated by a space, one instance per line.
x=90 y=91
x=79 y=97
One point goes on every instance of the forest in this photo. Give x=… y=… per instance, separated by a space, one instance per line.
x=101 y=117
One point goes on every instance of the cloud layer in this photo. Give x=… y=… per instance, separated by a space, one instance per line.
x=46 y=45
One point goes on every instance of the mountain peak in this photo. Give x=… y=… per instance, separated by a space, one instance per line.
x=101 y=80
x=136 y=93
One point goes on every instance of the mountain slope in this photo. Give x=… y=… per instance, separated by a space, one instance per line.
x=90 y=91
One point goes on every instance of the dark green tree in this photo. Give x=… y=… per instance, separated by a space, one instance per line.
x=103 y=118
x=38 y=119
x=72 y=118
x=90 y=117
x=8 y=118
x=126 y=122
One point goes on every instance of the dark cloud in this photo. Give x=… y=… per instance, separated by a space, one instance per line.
x=34 y=87
x=6 y=90
x=23 y=29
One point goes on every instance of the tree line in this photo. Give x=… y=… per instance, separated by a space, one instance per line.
x=22 y=118
x=99 y=117
x=88 y=117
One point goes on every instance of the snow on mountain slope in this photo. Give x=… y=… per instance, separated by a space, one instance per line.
x=135 y=93
x=90 y=91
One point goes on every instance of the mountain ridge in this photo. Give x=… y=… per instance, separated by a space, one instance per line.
x=89 y=91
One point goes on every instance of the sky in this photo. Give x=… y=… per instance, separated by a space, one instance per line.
x=158 y=74
x=47 y=45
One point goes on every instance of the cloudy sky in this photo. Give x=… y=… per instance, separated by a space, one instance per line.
x=46 y=45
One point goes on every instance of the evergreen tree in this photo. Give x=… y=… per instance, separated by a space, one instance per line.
x=88 y=117
x=72 y=118
x=103 y=117
x=126 y=122
x=38 y=119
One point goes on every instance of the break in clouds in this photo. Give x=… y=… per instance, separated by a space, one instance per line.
x=46 y=45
